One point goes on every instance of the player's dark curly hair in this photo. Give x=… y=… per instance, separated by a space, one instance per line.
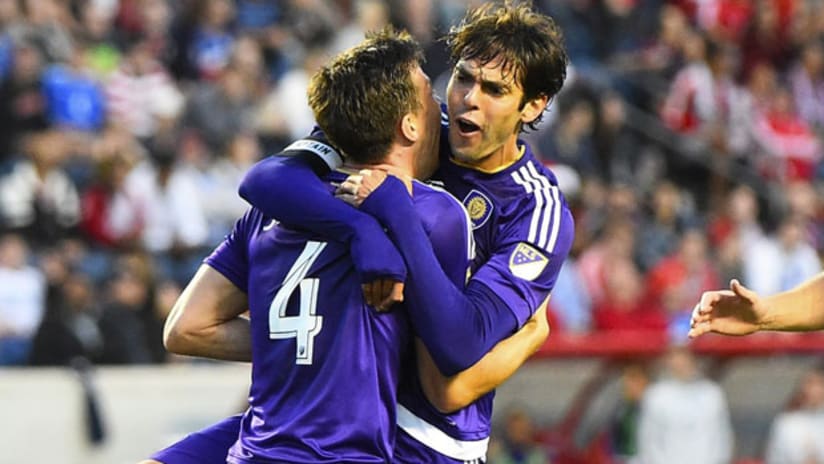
x=359 y=98
x=528 y=42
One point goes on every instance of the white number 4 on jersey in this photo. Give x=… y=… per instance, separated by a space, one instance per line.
x=307 y=324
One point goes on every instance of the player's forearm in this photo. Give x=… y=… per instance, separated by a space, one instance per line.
x=228 y=341
x=206 y=319
x=289 y=190
x=799 y=309
x=449 y=394
x=458 y=327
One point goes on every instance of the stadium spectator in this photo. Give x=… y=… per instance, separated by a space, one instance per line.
x=571 y=303
x=792 y=149
x=807 y=84
x=623 y=427
x=788 y=255
x=70 y=328
x=518 y=444
x=795 y=436
x=617 y=242
x=140 y=93
x=290 y=93
x=234 y=99
x=218 y=185
x=659 y=234
x=684 y=417
x=678 y=280
x=22 y=300
x=123 y=324
x=570 y=139
x=74 y=99
x=22 y=102
x=211 y=45
x=625 y=305
x=175 y=227
x=111 y=215
x=37 y=198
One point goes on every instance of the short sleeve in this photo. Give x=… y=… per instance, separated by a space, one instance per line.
x=231 y=257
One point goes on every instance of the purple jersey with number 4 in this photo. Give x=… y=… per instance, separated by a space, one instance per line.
x=325 y=365
x=523 y=231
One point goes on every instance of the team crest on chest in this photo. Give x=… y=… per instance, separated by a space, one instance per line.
x=526 y=262
x=479 y=208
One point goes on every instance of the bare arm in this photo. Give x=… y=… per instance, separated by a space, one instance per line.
x=206 y=320
x=740 y=311
x=449 y=394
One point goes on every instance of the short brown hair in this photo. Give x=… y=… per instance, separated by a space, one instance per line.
x=361 y=96
x=529 y=44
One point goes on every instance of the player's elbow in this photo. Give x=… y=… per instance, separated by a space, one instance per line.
x=175 y=339
x=181 y=333
x=453 y=400
x=543 y=331
x=446 y=395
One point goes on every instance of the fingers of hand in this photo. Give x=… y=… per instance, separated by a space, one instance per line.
x=351 y=184
x=372 y=178
x=382 y=294
x=353 y=200
x=372 y=293
x=391 y=294
x=397 y=291
x=377 y=294
x=699 y=330
x=385 y=287
x=742 y=291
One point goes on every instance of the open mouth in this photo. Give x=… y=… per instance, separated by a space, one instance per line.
x=467 y=127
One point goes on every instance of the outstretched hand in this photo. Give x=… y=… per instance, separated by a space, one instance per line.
x=737 y=311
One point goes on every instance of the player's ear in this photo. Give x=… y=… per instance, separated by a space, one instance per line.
x=410 y=127
x=533 y=108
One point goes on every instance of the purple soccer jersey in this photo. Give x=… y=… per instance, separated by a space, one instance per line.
x=325 y=365
x=523 y=231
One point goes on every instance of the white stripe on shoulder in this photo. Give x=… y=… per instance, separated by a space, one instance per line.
x=523 y=178
x=545 y=222
x=439 y=441
x=553 y=198
x=533 y=226
x=470 y=241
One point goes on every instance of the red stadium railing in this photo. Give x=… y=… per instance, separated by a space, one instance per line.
x=632 y=344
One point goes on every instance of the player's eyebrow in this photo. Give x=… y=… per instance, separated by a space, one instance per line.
x=464 y=70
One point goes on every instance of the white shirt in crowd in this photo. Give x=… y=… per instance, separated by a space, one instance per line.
x=173 y=213
x=684 y=423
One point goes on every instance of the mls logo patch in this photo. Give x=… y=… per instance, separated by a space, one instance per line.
x=526 y=262
x=479 y=208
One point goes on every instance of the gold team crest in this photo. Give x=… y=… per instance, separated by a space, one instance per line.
x=479 y=208
x=526 y=262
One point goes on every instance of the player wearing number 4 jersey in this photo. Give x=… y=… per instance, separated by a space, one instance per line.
x=326 y=366
x=509 y=62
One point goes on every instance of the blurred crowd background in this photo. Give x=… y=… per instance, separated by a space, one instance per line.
x=688 y=139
